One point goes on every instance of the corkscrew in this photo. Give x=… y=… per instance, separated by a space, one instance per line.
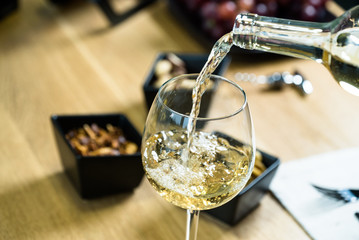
x=276 y=81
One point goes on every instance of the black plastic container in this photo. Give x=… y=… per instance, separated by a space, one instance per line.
x=194 y=64
x=249 y=198
x=7 y=7
x=97 y=176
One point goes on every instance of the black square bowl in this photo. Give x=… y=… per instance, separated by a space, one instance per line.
x=250 y=196
x=7 y=6
x=194 y=64
x=98 y=176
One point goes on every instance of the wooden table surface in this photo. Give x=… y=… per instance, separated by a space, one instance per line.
x=69 y=60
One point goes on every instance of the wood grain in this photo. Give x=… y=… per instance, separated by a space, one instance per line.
x=57 y=60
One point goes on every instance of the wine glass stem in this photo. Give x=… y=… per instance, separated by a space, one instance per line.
x=192 y=224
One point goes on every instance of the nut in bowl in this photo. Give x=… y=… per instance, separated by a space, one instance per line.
x=92 y=140
x=99 y=153
x=169 y=65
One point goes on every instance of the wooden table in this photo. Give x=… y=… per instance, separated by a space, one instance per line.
x=69 y=61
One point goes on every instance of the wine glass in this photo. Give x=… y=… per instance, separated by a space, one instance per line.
x=209 y=167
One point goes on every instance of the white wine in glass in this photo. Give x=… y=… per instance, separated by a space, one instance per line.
x=198 y=168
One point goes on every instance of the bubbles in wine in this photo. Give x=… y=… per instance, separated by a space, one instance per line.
x=214 y=172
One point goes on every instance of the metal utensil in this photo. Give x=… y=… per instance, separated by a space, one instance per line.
x=277 y=81
x=346 y=195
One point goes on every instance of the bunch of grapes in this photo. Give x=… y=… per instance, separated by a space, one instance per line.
x=217 y=17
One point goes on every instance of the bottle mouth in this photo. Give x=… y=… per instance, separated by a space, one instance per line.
x=244 y=30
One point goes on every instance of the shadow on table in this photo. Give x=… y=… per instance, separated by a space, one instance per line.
x=33 y=208
x=50 y=206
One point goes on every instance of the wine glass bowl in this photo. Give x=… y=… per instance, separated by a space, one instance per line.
x=202 y=170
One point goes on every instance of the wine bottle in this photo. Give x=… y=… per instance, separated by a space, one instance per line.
x=334 y=44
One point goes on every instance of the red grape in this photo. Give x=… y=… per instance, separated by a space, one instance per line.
x=245 y=5
x=227 y=10
x=209 y=10
x=217 y=16
x=261 y=9
x=272 y=8
x=309 y=12
x=316 y=3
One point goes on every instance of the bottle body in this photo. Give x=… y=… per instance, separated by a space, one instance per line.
x=334 y=44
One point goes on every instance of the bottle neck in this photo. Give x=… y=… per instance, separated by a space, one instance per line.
x=287 y=37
